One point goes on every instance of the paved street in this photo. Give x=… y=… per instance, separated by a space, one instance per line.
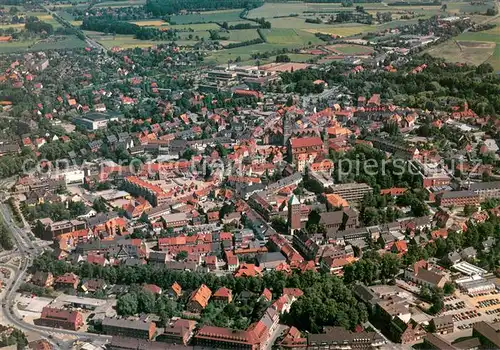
x=26 y=250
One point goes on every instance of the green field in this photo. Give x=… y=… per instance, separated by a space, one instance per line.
x=128 y=3
x=16 y=46
x=289 y=36
x=467 y=7
x=66 y=42
x=200 y=34
x=244 y=52
x=350 y=49
x=195 y=27
x=243 y=35
x=207 y=17
x=123 y=41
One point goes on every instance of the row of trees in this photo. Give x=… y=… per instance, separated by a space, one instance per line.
x=56 y=211
x=170 y=7
x=6 y=241
x=34 y=25
x=108 y=25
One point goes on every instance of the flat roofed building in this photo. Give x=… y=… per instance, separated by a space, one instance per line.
x=351 y=192
x=486 y=190
x=129 y=328
x=96 y=120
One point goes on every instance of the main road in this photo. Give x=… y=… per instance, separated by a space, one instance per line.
x=26 y=251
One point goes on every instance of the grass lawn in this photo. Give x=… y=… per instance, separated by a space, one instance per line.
x=196 y=27
x=207 y=17
x=289 y=36
x=242 y=35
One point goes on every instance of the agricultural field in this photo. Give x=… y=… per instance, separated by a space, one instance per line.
x=242 y=35
x=15 y=46
x=472 y=47
x=350 y=49
x=151 y=23
x=207 y=17
x=17 y=26
x=65 y=42
x=195 y=27
x=123 y=41
x=289 y=36
x=244 y=53
x=464 y=51
x=127 y=3
x=193 y=35
x=465 y=7
x=345 y=30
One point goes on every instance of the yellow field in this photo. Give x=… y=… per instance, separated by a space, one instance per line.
x=45 y=18
x=151 y=23
x=15 y=26
x=76 y=23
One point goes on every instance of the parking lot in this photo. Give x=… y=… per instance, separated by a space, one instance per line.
x=468 y=309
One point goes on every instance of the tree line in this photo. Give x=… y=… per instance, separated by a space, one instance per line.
x=170 y=7
x=6 y=241
x=107 y=25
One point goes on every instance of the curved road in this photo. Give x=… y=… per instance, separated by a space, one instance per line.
x=26 y=251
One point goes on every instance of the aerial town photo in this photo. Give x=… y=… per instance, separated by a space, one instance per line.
x=249 y=174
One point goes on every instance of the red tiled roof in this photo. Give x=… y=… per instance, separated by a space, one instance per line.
x=305 y=142
x=201 y=295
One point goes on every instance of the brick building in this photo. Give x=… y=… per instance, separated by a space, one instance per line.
x=60 y=318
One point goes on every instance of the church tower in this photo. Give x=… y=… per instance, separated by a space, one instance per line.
x=287 y=128
x=293 y=214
